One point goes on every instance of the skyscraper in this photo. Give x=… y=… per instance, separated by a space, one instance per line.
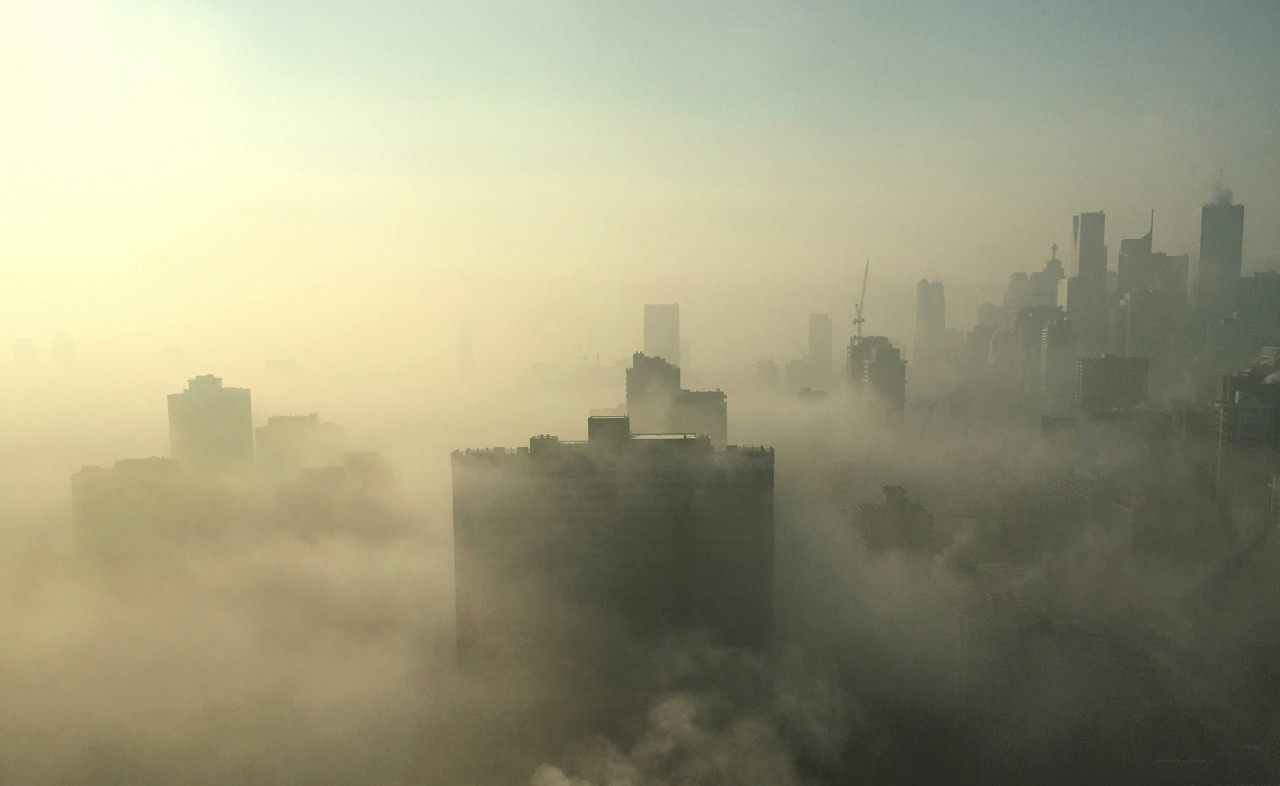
x=1058 y=366
x=641 y=535
x=1087 y=290
x=820 y=344
x=211 y=427
x=878 y=373
x=1088 y=234
x=1221 y=252
x=662 y=331
x=931 y=321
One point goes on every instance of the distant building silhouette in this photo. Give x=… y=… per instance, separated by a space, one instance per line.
x=641 y=534
x=897 y=522
x=767 y=374
x=1248 y=433
x=210 y=426
x=662 y=331
x=1110 y=383
x=820 y=344
x=291 y=442
x=1235 y=343
x=1058 y=365
x=144 y=507
x=931 y=322
x=1088 y=290
x=1028 y=332
x=878 y=372
x=1221 y=254
x=1044 y=284
x=353 y=494
x=657 y=404
x=1140 y=269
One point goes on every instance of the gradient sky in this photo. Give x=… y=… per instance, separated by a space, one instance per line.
x=332 y=180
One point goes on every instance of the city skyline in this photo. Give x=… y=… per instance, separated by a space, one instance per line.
x=634 y=394
x=854 y=152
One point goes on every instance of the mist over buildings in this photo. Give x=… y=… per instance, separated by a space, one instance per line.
x=497 y=394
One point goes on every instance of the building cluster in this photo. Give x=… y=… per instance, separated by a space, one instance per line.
x=650 y=527
x=874 y=373
x=1179 y=356
x=224 y=477
x=1058 y=340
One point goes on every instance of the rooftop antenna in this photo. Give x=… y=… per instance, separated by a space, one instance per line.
x=862 y=299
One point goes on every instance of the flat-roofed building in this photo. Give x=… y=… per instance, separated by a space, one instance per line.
x=563 y=547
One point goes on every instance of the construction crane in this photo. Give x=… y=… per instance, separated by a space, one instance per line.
x=862 y=299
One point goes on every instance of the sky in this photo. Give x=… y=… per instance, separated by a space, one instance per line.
x=344 y=183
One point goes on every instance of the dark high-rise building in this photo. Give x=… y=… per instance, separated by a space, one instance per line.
x=1088 y=290
x=1089 y=245
x=210 y=426
x=561 y=545
x=1248 y=415
x=878 y=372
x=1132 y=261
x=292 y=442
x=1233 y=344
x=657 y=404
x=1110 y=384
x=820 y=344
x=662 y=331
x=1028 y=332
x=1058 y=365
x=1140 y=269
x=931 y=322
x=1221 y=253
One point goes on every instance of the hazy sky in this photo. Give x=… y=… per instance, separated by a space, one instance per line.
x=322 y=179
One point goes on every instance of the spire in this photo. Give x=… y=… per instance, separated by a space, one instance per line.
x=1054 y=248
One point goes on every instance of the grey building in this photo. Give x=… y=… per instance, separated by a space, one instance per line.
x=878 y=373
x=1088 y=290
x=563 y=547
x=931 y=322
x=144 y=507
x=1058 y=365
x=1110 y=383
x=211 y=426
x=820 y=344
x=657 y=404
x=292 y=442
x=1221 y=253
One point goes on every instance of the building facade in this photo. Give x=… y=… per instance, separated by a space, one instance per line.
x=211 y=426
x=562 y=543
